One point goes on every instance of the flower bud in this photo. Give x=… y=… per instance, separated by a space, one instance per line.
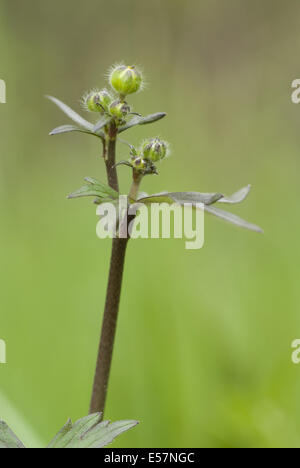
x=119 y=109
x=143 y=166
x=98 y=101
x=125 y=80
x=139 y=164
x=154 y=149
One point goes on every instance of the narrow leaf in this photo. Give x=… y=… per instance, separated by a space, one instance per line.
x=7 y=438
x=237 y=197
x=137 y=120
x=207 y=199
x=232 y=218
x=132 y=123
x=156 y=198
x=72 y=114
x=195 y=197
x=68 y=129
x=182 y=197
x=152 y=118
x=89 y=191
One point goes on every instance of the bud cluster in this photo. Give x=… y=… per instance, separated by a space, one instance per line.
x=151 y=151
x=125 y=80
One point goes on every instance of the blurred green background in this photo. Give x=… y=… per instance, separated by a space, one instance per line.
x=203 y=352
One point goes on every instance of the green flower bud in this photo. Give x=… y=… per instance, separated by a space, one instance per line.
x=119 y=109
x=105 y=99
x=125 y=80
x=155 y=149
x=97 y=101
x=139 y=164
x=143 y=166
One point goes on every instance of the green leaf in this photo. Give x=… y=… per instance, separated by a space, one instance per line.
x=89 y=191
x=106 y=188
x=156 y=198
x=195 y=197
x=106 y=432
x=182 y=197
x=68 y=129
x=207 y=199
x=232 y=218
x=132 y=123
x=138 y=120
x=152 y=118
x=70 y=431
x=90 y=432
x=61 y=438
x=237 y=197
x=72 y=114
x=7 y=438
x=95 y=188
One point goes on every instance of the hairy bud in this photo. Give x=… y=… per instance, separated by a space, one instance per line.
x=143 y=166
x=155 y=149
x=119 y=109
x=139 y=164
x=97 y=101
x=126 y=80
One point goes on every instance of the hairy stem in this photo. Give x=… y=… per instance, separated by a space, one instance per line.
x=113 y=293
